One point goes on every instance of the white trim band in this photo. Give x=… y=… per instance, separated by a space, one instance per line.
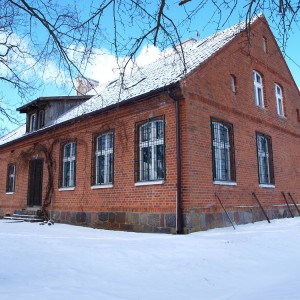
x=225 y=183
x=102 y=186
x=267 y=186
x=154 y=182
x=71 y=188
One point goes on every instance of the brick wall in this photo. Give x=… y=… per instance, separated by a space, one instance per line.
x=208 y=94
x=124 y=196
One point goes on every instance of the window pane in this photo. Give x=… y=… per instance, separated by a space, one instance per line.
x=73 y=149
x=67 y=150
x=160 y=162
x=100 y=169
x=146 y=162
x=159 y=129
x=66 y=174
x=146 y=132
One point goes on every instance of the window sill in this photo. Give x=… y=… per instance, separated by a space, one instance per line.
x=282 y=117
x=9 y=193
x=155 y=182
x=262 y=108
x=232 y=183
x=102 y=186
x=267 y=186
x=71 y=188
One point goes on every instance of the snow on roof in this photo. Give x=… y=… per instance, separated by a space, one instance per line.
x=172 y=66
x=17 y=133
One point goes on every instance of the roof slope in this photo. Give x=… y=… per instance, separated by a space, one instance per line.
x=172 y=66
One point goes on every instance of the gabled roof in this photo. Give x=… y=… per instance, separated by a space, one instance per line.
x=171 y=67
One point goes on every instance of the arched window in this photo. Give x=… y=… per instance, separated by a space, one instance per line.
x=258 y=89
x=32 y=124
x=69 y=165
x=279 y=100
x=104 y=158
x=151 y=150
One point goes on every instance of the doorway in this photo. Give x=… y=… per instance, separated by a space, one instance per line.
x=35 y=182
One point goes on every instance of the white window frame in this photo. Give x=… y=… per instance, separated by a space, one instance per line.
x=279 y=100
x=258 y=89
x=219 y=145
x=32 y=122
x=71 y=161
x=11 y=178
x=233 y=83
x=152 y=142
x=106 y=153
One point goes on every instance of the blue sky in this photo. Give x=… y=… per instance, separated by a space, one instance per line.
x=202 y=24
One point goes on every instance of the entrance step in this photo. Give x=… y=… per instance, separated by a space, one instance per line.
x=26 y=216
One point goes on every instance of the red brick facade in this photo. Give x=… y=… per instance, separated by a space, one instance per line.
x=205 y=93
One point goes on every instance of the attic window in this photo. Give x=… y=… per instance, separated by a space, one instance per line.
x=264 y=44
x=41 y=119
x=233 y=83
x=32 y=124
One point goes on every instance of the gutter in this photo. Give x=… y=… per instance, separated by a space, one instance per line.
x=179 y=215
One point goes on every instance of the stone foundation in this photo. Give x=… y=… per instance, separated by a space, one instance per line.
x=166 y=222
x=127 y=221
x=203 y=221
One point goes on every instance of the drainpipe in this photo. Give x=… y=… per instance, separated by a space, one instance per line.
x=179 y=227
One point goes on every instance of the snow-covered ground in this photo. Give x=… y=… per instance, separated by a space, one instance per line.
x=256 y=261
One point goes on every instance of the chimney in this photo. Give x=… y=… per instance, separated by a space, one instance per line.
x=85 y=85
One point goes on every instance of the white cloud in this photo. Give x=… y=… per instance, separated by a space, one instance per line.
x=104 y=66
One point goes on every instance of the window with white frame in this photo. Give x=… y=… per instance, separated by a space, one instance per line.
x=258 y=89
x=223 y=151
x=32 y=123
x=279 y=100
x=151 y=150
x=69 y=165
x=104 y=153
x=265 y=159
x=11 y=175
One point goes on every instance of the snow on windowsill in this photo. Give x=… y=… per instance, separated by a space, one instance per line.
x=225 y=183
x=267 y=186
x=102 y=186
x=141 y=183
x=72 y=188
x=9 y=193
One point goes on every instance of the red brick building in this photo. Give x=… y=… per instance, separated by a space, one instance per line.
x=219 y=120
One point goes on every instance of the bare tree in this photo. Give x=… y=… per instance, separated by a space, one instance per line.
x=40 y=38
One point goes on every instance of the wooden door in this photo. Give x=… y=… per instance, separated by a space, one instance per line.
x=35 y=184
